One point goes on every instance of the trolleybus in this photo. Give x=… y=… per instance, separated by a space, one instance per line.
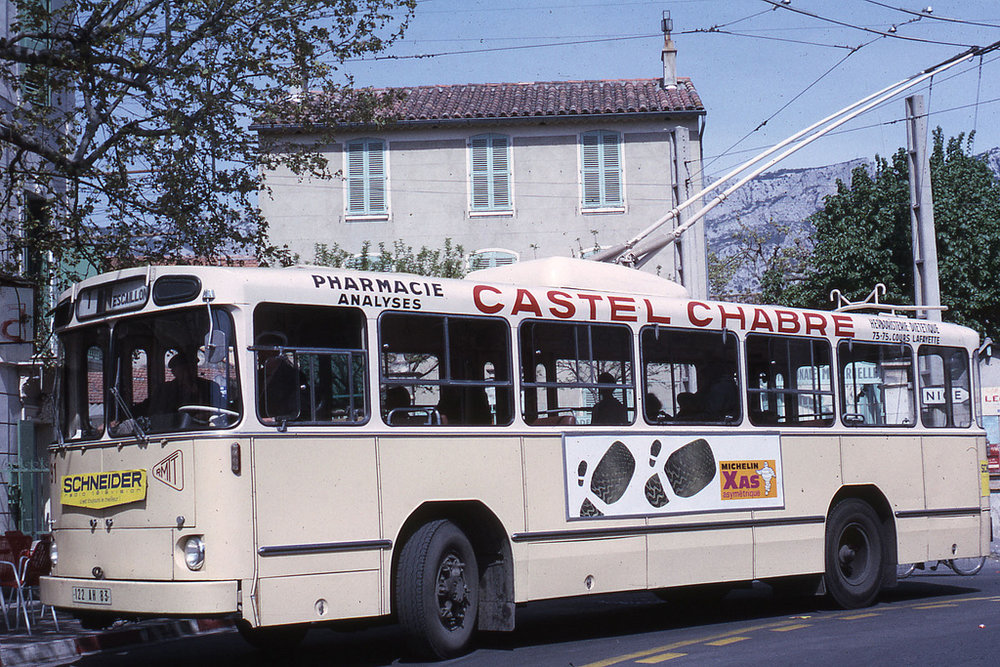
x=287 y=447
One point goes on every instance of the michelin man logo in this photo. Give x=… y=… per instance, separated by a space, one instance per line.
x=767 y=474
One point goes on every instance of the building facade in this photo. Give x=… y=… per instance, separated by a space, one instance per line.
x=508 y=171
x=25 y=380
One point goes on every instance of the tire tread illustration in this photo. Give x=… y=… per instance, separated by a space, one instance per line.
x=690 y=468
x=437 y=591
x=854 y=554
x=613 y=473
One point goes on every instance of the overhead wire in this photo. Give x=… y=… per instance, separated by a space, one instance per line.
x=845 y=24
x=578 y=42
x=788 y=103
x=932 y=16
x=720 y=28
x=944 y=79
x=975 y=115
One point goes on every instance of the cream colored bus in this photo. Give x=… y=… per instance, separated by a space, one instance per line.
x=287 y=447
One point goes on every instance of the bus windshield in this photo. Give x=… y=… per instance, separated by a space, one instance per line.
x=157 y=373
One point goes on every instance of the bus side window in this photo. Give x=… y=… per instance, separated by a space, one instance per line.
x=576 y=374
x=690 y=376
x=876 y=383
x=311 y=364
x=789 y=381
x=455 y=370
x=945 y=392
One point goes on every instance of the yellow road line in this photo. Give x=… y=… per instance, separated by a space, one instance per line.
x=632 y=657
x=727 y=641
x=937 y=606
x=663 y=657
x=777 y=627
x=791 y=627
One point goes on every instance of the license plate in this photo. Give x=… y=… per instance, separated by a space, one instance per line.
x=91 y=595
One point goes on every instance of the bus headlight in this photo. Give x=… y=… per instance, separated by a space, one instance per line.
x=194 y=552
x=54 y=553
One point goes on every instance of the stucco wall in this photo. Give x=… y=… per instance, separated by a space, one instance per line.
x=428 y=192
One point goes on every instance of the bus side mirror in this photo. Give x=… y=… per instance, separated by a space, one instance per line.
x=215 y=346
x=986 y=350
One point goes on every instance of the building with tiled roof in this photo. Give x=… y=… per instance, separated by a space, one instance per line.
x=507 y=170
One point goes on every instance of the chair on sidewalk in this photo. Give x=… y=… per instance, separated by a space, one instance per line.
x=13 y=544
x=35 y=563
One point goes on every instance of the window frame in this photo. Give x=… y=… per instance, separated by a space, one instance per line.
x=366 y=180
x=430 y=414
x=729 y=338
x=292 y=353
x=491 y=176
x=790 y=394
x=494 y=257
x=949 y=386
x=628 y=388
x=606 y=175
x=914 y=399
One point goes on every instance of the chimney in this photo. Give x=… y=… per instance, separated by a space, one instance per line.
x=669 y=53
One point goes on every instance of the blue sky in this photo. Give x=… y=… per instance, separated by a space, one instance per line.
x=759 y=60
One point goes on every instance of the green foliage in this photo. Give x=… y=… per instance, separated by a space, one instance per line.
x=135 y=119
x=447 y=262
x=862 y=237
x=759 y=251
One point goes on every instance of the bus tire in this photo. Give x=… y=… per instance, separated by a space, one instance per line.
x=437 y=590
x=854 y=554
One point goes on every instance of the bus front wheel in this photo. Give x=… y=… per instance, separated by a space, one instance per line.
x=437 y=590
x=854 y=554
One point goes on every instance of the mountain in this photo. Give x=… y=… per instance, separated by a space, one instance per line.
x=776 y=201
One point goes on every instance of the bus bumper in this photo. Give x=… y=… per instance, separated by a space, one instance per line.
x=157 y=598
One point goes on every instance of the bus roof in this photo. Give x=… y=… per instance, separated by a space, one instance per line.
x=560 y=288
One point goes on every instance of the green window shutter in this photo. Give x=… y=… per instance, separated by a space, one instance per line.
x=366 y=193
x=492 y=257
x=480 y=173
x=490 y=172
x=601 y=169
x=612 y=169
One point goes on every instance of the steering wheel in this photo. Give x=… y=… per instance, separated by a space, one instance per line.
x=212 y=412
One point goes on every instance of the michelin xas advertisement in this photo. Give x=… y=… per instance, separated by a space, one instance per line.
x=645 y=475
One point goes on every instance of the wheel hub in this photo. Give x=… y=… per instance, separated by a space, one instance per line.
x=853 y=554
x=452 y=592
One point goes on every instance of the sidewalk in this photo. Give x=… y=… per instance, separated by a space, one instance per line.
x=46 y=646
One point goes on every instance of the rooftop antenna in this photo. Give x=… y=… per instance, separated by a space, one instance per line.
x=669 y=53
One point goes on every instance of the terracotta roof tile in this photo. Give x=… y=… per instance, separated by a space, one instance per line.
x=533 y=100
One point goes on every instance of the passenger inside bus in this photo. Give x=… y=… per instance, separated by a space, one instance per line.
x=687 y=407
x=720 y=397
x=397 y=400
x=609 y=410
x=286 y=387
x=654 y=408
x=186 y=388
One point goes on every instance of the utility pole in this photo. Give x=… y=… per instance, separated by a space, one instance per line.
x=690 y=256
x=925 y=269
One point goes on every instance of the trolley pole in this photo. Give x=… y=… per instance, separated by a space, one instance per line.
x=926 y=291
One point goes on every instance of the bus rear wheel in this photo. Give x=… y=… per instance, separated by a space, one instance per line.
x=437 y=590
x=854 y=554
